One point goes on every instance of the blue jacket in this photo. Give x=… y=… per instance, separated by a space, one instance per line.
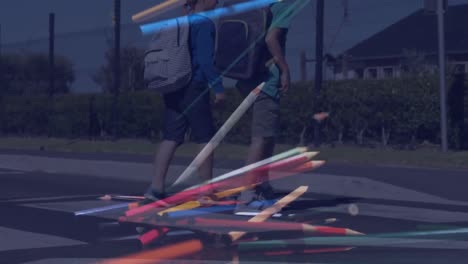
x=202 y=47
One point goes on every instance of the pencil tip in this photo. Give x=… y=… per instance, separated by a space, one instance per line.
x=318 y=163
x=106 y=197
x=353 y=232
x=311 y=154
x=302 y=149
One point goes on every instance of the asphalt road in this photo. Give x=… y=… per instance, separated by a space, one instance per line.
x=37 y=225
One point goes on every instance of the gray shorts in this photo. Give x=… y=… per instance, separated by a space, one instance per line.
x=266 y=116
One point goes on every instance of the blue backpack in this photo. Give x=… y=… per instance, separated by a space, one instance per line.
x=241 y=51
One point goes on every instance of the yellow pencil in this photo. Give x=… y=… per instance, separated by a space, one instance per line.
x=157 y=10
x=267 y=213
x=195 y=204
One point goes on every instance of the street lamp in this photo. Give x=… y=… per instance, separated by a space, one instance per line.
x=442 y=81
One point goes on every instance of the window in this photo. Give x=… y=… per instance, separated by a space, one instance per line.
x=388 y=72
x=371 y=73
x=359 y=73
x=382 y=72
x=460 y=67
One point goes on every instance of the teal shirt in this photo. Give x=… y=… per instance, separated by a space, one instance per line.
x=282 y=16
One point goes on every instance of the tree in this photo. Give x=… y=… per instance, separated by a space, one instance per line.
x=131 y=70
x=22 y=74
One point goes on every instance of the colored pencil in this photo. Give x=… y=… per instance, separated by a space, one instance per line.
x=195 y=204
x=161 y=254
x=174 y=199
x=219 y=136
x=256 y=213
x=190 y=193
x=270 y=226
x=199 y=211
x=256 y=165
x=305 y=251
x=184 y=211
x=152 y=235
x=275 y=175
x=310 y=165
x=354 y=241
x=204 y=153
x=267 y=213
x=101 y=209
x=109 y=197
x=50 y=199
x=157 y=10
x=288 y=163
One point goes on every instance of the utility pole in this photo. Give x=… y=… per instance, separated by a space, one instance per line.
x=442 y=81
x=117 y=46
x=303 y=65
x=51 y=54
x=116 y=84
x=2 y=87
x=320 y=21
x=0 y=42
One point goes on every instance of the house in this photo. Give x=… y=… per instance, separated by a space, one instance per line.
x=406 y=45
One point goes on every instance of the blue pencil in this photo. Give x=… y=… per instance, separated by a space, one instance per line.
x=101 y=209
x=199 y=211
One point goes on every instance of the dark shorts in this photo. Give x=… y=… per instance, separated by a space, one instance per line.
x=189 y=107
x=266 y=109
x=265 y=116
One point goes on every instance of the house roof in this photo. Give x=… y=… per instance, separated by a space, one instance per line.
x=416 y=32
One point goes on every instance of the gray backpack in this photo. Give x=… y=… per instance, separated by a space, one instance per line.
x=168 y=65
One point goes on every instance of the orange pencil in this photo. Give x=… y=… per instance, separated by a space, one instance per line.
x=161 y=254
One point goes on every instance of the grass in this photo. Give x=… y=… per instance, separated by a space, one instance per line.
x=423 y=157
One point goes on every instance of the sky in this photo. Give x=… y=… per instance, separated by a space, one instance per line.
x=26 y=20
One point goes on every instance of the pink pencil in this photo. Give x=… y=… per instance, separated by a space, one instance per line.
x=193 y=193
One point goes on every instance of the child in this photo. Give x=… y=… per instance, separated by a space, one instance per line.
x=190 y=106
x=266 y=109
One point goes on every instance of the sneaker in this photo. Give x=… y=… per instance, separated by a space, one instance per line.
x=265 y=191
x=154 y=195
x=256 y=200
x=151 y=196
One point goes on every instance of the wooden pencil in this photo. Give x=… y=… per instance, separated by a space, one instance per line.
x=267 y=213
x=157 y=10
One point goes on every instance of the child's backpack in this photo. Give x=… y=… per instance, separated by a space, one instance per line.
x=241 y=51
x=168 y=65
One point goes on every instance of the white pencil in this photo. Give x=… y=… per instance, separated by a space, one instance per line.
x=219 y=136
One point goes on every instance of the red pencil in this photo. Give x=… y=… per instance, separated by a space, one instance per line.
x=236 y=225
x=175 y=199
x=288 y=163
x=283 y=165
x=152 y=236
x=191 y=194
x=310 y=165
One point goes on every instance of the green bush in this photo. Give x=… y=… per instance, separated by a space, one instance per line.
x=391 y=112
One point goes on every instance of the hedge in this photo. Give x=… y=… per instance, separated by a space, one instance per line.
x=391 y=112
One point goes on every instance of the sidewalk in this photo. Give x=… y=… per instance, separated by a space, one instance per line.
x=373 y=182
